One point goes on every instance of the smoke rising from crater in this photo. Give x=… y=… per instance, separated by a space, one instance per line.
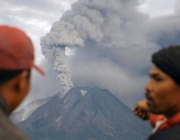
x=112 y=42
x=53 y=47
x=88 y=20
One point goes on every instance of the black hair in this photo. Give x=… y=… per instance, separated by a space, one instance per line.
x=6 y=75
x=168 y=60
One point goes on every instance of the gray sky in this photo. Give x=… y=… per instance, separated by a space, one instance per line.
x=37 y=17
x=158 y=7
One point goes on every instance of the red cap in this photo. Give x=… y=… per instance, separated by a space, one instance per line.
x=16 y=50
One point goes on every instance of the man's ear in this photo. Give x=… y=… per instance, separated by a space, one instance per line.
x=21 y=81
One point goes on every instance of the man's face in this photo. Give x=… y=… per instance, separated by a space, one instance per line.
x=24 y=84
x=163 y=94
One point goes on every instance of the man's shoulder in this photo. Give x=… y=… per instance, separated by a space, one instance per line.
x=172 y=133
x=8 y=131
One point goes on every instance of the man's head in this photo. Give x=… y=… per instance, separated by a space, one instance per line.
x=16 y=61
x=163 y=89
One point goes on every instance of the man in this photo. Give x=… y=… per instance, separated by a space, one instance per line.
x=16 y=61
x=162 y=104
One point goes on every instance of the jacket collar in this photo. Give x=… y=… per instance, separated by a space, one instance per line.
x=169 y=122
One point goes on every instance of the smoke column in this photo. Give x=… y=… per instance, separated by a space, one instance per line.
x=61 y=35
x=105 y=26
x=87 y=20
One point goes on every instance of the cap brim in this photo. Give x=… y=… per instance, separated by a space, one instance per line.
x=38 y=69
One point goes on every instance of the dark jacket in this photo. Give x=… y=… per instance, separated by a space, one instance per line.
x=172 y=133
x=8 y=131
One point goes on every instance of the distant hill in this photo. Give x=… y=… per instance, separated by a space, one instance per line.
x=84 y=114
x=24 y=113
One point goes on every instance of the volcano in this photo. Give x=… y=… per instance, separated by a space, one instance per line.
x=84 y=114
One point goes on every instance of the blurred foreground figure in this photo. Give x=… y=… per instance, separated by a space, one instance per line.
x=162 y=104
x=16 y=61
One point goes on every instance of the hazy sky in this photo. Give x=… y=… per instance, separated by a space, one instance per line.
x=37 y=17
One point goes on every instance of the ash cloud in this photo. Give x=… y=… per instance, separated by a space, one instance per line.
x=112 y=42
x=53 y=48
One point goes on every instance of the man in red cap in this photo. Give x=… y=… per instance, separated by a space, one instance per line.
x=16 y=61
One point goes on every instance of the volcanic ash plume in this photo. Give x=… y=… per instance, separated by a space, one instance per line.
x=53 y=45
x=96 y=21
